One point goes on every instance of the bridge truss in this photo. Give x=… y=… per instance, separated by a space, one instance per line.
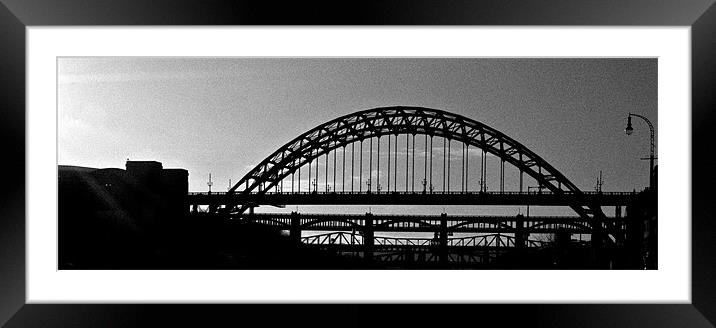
x=479 y=249
x=457 y=240
x=280 y=179
x=391 y=122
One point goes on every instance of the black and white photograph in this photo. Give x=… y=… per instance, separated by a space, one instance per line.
x=344 y=163
x=229 y=162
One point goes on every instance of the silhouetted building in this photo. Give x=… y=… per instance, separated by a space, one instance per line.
x=107 y=215
x=138 y=218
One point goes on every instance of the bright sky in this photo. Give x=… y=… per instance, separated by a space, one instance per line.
x=224 y=115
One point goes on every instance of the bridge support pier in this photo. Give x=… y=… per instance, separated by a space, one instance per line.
x=520 y=241
x=598 y=243
x=443 y=240
x=368 y=237
x=295 y=232
x=520 y=237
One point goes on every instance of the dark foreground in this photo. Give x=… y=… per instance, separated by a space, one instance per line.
x=139 y=218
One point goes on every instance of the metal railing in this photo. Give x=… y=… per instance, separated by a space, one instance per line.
x=518 y=193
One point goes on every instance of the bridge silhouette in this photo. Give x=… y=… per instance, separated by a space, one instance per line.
x=340 y=145
x=413 y=198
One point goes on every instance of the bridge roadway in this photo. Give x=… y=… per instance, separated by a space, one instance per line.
x=355 y=234
x=412 y=198
x=426 y=223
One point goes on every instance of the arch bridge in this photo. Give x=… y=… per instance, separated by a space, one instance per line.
x=376 y=156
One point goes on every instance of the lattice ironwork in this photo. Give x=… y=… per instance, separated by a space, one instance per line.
x=487 y=240
x=385 y=121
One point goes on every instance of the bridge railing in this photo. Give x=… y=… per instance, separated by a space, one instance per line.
x=605 y=193
x=455 y=217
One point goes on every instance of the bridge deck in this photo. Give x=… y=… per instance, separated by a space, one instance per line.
x=414 y=198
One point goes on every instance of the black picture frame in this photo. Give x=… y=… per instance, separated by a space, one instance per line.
x=15 y=15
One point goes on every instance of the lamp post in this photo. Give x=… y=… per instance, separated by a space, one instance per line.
x=629 y=130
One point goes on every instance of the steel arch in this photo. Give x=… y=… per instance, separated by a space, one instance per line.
x=350 y=223
x=398 y=120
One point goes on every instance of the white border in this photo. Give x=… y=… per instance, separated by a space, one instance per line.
x=670 y=283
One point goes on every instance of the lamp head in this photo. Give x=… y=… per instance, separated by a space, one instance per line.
x=629 y=130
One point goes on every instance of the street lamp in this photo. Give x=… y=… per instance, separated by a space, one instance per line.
x=629 y=130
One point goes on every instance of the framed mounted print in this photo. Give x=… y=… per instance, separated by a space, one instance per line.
x=461 y=164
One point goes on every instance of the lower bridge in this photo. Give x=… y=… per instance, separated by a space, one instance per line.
x=456 y=239
x=471 y=250
x=430 y=223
